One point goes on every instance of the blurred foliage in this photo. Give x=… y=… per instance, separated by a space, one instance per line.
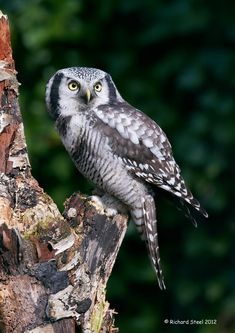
x=175 y=60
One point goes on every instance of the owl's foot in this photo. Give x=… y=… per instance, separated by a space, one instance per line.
x=108 y=205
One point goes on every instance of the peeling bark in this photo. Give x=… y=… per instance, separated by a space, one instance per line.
x=53 y=268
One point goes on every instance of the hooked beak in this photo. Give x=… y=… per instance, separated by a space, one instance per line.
x=87 y=96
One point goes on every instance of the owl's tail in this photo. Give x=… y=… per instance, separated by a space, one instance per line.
x=151 y=234
x=144 y=217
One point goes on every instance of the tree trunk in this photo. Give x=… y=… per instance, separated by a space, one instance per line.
x=53 y=268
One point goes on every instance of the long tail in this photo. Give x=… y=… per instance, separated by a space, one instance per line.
x=150 y=223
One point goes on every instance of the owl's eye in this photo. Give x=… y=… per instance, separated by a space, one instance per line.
x=98 y=87
x=73 y=85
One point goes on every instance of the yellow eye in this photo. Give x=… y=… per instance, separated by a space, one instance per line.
x=98 y=87
x=73 y=85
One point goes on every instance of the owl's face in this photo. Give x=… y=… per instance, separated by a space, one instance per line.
x=77 y=89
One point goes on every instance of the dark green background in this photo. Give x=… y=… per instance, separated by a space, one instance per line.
x=175 y=60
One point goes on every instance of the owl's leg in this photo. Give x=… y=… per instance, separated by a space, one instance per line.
x=107 y=204
x=144 y=217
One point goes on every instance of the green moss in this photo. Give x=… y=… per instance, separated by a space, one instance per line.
x=98 y=314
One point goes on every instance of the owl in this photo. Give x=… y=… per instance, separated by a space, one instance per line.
x=121 y=150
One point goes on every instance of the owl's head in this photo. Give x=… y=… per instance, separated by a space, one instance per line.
x=76 y=89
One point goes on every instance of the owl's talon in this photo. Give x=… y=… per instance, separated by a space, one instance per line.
x=102 y=206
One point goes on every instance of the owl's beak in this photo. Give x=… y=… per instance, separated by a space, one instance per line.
x=88 y=96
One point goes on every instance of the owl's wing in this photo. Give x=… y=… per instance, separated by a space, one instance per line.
x=144 y=149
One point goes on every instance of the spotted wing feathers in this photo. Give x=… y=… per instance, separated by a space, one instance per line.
x=144 y=149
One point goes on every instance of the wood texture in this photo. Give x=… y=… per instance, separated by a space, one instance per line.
x=53 y=268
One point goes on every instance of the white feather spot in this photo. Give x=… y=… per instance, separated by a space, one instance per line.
x=157 y=153
x=151 y=238
x=178 y=187
x=162 y=138
x=184 y=191
x=134 y=138
x=165 y=187
x=148 y=142
x=121 y=130
x=141 y=130
x=140 y=174
x=150 y=180
x=149 y=132
x=178 y=194
x=111 y=122
x=150 y=226
x=171 y=181
x=101 y=116
x=135 y=126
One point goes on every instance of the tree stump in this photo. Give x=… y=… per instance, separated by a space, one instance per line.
x=53 y=268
